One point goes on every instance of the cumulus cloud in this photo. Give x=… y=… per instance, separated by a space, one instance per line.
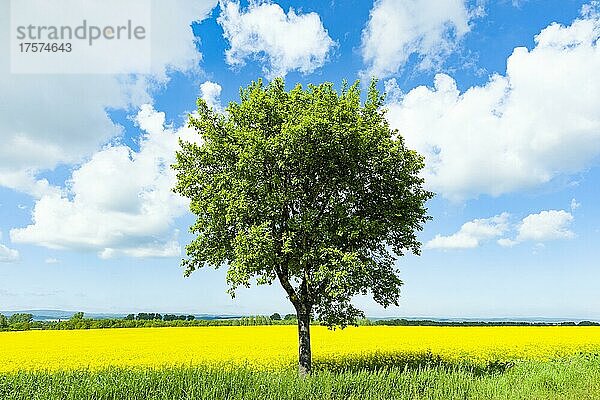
x=575 y=204
x=472 y=233
x=545 y=226
x=119 y=202
x=541 y=227
x=398 y=29
x=506 y=242
x=7 y=255
x=282 y=42
x=517 y=131
x=210 y=92
x=47 y=120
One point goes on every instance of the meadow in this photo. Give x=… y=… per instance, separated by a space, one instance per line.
x=259 y=362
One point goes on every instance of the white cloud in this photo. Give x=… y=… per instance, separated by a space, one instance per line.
x=398 y=29
x=210 y=92
x=393 y=92
x=506 y=242
x=47 y=120
x=7 y=255
x=51 y=260
x=472 y=233
x=173 y=42
x=541 y=227
x=517 y=131
x=119 y=202
x=545 y=226
x=537 y=248
x=590 y=9
x=574 y=205
x=283 y=42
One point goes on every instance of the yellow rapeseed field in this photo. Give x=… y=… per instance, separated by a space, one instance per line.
x=275 y=346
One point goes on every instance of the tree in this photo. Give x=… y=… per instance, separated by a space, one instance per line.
x=309 y=187
x=3 y=322
x=143 y=316
x=77 y=316
x=20 y=318
x=276 y=317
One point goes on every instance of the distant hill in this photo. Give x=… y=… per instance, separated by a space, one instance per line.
x=44 y=315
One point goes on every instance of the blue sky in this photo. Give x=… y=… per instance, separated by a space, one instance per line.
x=501 y=97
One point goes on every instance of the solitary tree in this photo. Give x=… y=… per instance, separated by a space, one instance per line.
x=309 y=187
x=275 y=317
x=78 y=316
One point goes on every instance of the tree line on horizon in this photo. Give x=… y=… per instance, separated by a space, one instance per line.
x=157 y=316
x=24 y=321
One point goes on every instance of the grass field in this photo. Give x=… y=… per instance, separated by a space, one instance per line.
x=573 y=378
x=243 y=362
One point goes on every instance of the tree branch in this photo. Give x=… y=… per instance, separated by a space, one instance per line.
x=287 y=286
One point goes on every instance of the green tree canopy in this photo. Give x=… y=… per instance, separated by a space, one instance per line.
x=275 y=317
x=78 y=316
x=309 y=187
x=20 y=318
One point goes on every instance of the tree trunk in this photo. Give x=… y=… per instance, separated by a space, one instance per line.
x=304 y=352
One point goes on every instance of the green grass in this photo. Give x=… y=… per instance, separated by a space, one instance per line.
x=575 y=378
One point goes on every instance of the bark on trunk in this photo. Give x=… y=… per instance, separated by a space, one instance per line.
x=304 y=352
